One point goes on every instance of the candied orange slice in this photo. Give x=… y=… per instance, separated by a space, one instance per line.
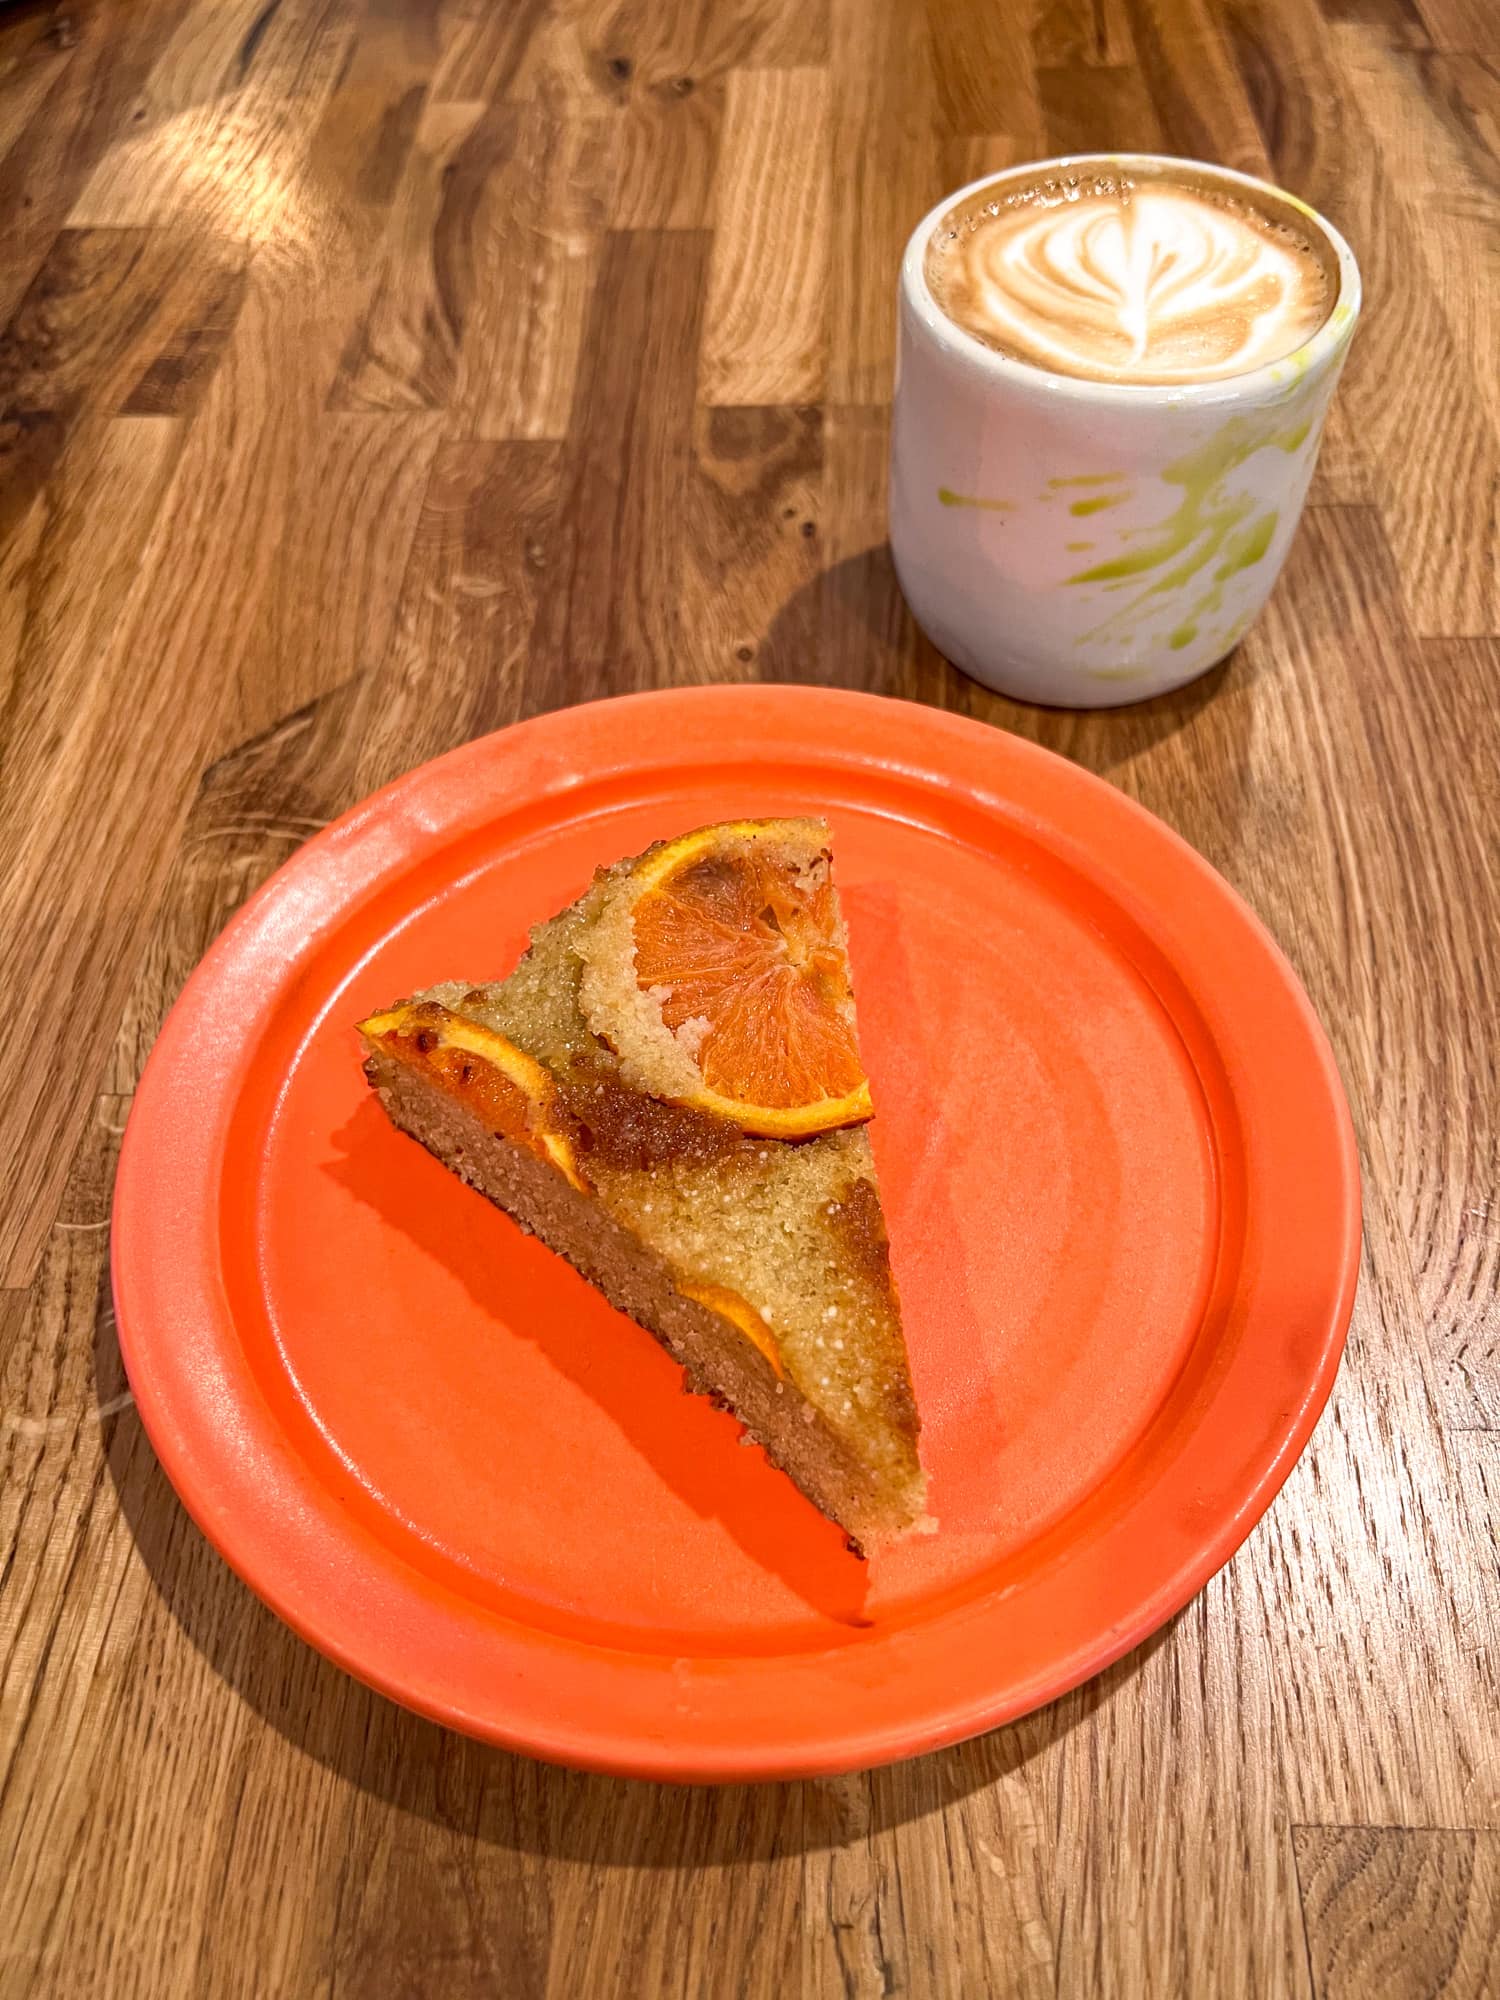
x=741 y=979
x=737 y=1309
x=500 y=1083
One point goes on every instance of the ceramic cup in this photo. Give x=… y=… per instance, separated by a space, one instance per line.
x=1085 y=544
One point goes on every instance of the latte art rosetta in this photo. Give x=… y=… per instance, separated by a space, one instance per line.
x=1152 y=283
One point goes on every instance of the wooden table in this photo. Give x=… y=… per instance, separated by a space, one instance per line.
x=378 y=372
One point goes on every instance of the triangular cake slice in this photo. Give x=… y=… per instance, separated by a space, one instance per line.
x=668 y=1091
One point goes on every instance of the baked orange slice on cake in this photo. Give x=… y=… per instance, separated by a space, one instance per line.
x=668 y=1091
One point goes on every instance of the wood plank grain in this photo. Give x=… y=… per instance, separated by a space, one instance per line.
x=35 y=46
x=983 y=68
x=1145 y=1906
x=183 y=363
x=404 y=352
x=74 y=710
x=1442 y=169
x=888 y=1913
x=354 y=175
x=1199 y=96
x=318 y=511
x=1065 y=35
x=753 y=554
x=520 y=358
x=1475 y=1456
x=865 y=636
x=1097 y=110
x=669 y=151
x=29 y=450
x=616 y=50
x=358 y=152
x=112 y=475
x=1392 y=1911
x=111 y=49
x=885 y=108
x=229 y=111
x=641 y=41
x=1369 y=1520
x=645 y=1941
x=1439 y=1137
x=1423 y=725
x=326 y=605
x=972 y=156
x=489 y=547
x=1478 y=84
x=51 y=1454
x=1343 y=476
x=1396 y=21
x=1466 y=26
x=1331 y=848
x=761 y=34
x=610 y=612
x=31 y=442
x=439 y=332
x=765 y=329
x=113 y=310
x=1433 y=450
x=483 y=49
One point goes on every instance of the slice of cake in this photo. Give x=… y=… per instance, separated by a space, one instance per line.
x=668 y=1091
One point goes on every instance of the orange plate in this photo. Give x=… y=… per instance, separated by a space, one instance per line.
x=1124 y=1212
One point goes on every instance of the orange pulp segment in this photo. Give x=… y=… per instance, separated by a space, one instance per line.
x=738 y=937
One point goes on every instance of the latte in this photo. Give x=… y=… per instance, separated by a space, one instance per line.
x=1130 y=276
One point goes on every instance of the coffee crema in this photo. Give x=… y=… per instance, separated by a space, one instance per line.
x=1131 y=277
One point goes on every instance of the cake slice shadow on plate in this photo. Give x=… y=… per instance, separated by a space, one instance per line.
x=925 y=1102
x=693 y=1449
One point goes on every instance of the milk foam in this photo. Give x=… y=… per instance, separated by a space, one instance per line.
x=1144 y=281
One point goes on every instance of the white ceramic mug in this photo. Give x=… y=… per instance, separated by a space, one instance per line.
x=1084 y=543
